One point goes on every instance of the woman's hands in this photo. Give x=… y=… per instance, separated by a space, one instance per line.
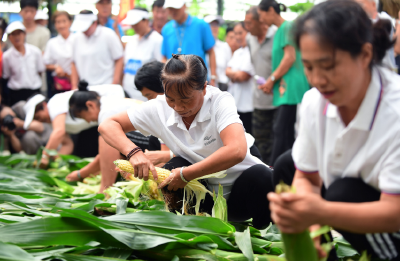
x=73 y=176
x=267 y=86
x=141 y=165
x=157 y=157
x=174 y=181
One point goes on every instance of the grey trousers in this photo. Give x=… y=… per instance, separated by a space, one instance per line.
x=31 y=141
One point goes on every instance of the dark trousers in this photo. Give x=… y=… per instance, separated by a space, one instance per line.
x=246 y=117
x=248 y=196
x=86 y=143
x=262 y=127
x=20 y=95
x=283 y=130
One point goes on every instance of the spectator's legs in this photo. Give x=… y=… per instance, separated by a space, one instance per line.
x=263 y=132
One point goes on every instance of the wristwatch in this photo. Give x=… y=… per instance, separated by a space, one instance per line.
x=272 y=77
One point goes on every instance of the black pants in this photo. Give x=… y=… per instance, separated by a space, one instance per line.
x=248 y=196
x=246 y=118
x=86 y=143
x=262 y=128
x=20 y=95
x=283 y=130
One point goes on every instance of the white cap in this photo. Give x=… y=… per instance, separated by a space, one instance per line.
x=134 y=16
x=82 y=22
x=176 y=4
x=40 y=15
x=14 y=26
x=30 y=107
x=211 y=18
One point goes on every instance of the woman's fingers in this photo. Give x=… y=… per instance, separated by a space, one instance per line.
x=153 y=171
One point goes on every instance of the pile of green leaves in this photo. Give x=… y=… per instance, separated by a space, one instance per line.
x=41 y=219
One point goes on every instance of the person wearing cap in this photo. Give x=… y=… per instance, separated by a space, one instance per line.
x=222 y=51
x=97 y=52
x=187 y=34
x=104 y=8
x=41 y=18
x=160 y=15
x=58 y=54
x=144 y=47
x=22 y=65
x=36 y=35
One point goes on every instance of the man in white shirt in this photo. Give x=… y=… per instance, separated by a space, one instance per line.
x=97 y=52
x=22 y=65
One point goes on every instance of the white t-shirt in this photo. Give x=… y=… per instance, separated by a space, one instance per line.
x=22 y=71
x=223 y=55
x=59 y=104
x=95 y=56
x=59 y=51
x=242 y=91
x=137 y=53
x=111 y=106
x=202 y=139
x=368 y=148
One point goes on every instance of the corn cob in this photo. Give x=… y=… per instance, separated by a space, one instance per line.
x=298 y=247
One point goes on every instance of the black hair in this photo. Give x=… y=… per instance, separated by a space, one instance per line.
x=86 y=12
x=229 y=29
x=343 y=24
x=264 y=5
x=77 y=102
x=184 y=72
x=158 y=3
x=3 y=26
x=241 y=24
x=149 y=76
x=30 y=3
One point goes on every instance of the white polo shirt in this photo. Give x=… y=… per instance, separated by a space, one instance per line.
x=242 y=91
x=368 y=148
x=138 y=52
x=95 y=56
x=59 y=52
x=111 y=106
x=202 y=139
x=59 y=104
x=223 y=55
x=22 y=71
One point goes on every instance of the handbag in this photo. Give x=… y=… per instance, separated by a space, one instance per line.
x=62 y=84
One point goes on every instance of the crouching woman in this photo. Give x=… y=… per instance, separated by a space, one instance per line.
x=200 y=124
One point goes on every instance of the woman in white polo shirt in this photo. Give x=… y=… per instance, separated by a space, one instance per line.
x=348 y=139
x=240 y=71
x=143 y=47
x=200 y=125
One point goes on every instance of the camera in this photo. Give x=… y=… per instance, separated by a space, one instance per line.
x=8 y=122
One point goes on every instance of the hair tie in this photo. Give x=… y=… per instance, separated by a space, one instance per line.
x=175 y=56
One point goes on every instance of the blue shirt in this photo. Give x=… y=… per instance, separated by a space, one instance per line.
x=193 y=37
x=110 y=24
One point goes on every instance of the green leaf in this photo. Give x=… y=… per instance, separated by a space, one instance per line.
x=220 y=209
x=36 y=212
x=322 y=230
x=69 y=257
x=121 y=203
x=118 y=253
x=14 y=253
x=39 y=156
x=243 y=241
x=63 y=186
x=344 y=249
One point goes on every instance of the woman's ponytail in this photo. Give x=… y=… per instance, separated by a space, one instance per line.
x=82 y=86
x=381 y=39
x=77 y=102
x=266 y=4
x=282 y=7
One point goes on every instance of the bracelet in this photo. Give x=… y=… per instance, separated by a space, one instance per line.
x=79 y=174
x=182 y=177
x=171 y=154
x=133 y=152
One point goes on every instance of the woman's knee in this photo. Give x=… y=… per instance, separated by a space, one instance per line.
x=353 y=190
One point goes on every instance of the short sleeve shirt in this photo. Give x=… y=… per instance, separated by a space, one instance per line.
x=95 y=56
x=367 y=148
x=59 y=51
x=242 y=91
x=138 y=52
x=111 y=106
x=39 y=37
x=288 y=90
x=202 y=139
x=223 y=55
x=193 y=37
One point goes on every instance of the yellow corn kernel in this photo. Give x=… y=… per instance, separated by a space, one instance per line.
x=125 y=165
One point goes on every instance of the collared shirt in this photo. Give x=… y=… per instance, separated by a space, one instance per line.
x=59 y=104
x=95 y=56
x=59 y=52
x=242 y=91
x=367 y=148
x=193 y=37
x=223 y=55
x=202 y=139
x=138 y=52
x=23 y=70
x=261 y=57
x=110 y=106
x=110 y=24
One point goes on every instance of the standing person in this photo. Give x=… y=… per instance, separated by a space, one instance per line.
x=97 y=52
x=260 y=43
x=144 y=47
x=3 y=95
x=160 y=15
x=222 y=50
x=36 y=35
x=240 y=72
x=104 y=8
x=41 y=18
x=217 y=140
x=287 y=80
x=58 y=54
x=230 y=39
x=348 y=137
x=22 y=65
x=186 y=34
